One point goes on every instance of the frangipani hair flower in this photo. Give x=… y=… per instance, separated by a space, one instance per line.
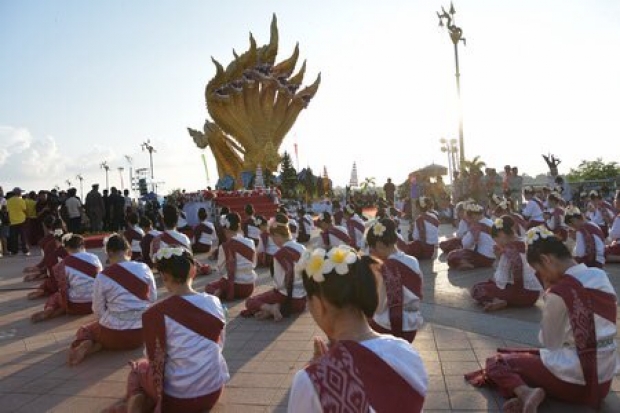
x=497 y=199
x=225 y=222
x=503 y=205
x=66 y=237
x=58 y=232
x=378 y=229
x=317 y=263
x=167 y=253
x=349 y=210
x=473 y=207
x=537 y=233
x=338 y=259
x=498 y=223
x=572 y=210
x=312 y=262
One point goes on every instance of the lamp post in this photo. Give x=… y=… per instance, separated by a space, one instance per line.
x=449 y=147
x=446 y=18
x=120 y=173
x=104 y=165
x=146 y=146
x=129 y=160
x=81 y=179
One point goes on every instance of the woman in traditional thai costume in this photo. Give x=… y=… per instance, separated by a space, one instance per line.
x=424 y=231
x=355 y=227
x=249 y=226
x=600 y=212
x=504 y=208
x=612 y=251
x=578 y=357
x=589 y=239
x=266 y=246
x=478 y=245
x=331 y=235
x=134 y=234
x=399 y=284
x=514 y=283
x=306 y=225
x=204 y=234
x=75 y=277
x=145 y=244
x=534 y=208
x=555 y=216
x=456 y=242
x=288 y=295
x=237 y=260
x=358 y=370
x=121 y=293
x=185 y=370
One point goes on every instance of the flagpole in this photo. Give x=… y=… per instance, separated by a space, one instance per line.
x=204 y=162
x=297 y=156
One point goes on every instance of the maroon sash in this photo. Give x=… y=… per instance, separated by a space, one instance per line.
x=200 y=229
x=476 y=229
x=264 y=237
x=353 y=225
x=154 y=330
x=419 y=222
x=287 y=257
x=397 y=275
x=133 y=235
x=170 y=240
x=231 y=248
x=539 y=203
x=128 y=281
x=351 y=378
x=338 y=217
x=245 y=225
x=145 y=245
x=513 y=253
x=582 y=303
x=611 y=211
x=336 y=233
x=292 y=226
x=82 y=266
x=588 y=231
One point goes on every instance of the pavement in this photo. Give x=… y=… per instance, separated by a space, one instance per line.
x=263 y=356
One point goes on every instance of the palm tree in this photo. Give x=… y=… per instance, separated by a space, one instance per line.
x=476 y=164
x=368 y=184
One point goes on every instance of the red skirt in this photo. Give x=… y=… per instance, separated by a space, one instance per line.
x=406 y=335
x=486 y=291
x=418 y=249
x=613 y=249
x=198 y=248
x=242 y=291
x=108 y=338
x=253 y=304
x=466 y=256
x=450 y=245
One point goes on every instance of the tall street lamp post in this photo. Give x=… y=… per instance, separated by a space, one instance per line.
x=449 y=147
x=104 y=165
x=446 y=19
x=146 y=146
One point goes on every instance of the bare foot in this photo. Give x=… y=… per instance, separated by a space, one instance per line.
x=513 y=405
x=39 y=316
x=36 y=294
x=262 y=315
x=275 y=311
x=77 y=354
x=532 y=399
x=495 y=305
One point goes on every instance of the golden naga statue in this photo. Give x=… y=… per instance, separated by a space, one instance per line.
x=253 y=104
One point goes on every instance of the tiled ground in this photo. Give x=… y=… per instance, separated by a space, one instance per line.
x=262 y=356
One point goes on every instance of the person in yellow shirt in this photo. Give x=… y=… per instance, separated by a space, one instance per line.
x=31 y=217
x=17 y=220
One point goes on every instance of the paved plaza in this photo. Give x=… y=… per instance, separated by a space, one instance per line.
x=263 y=356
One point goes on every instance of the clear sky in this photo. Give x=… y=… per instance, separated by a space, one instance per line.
x=82 y=82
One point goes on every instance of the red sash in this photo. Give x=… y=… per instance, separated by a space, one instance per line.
x=43 y=242
x=128 y=281
x=588 y=231
x=353 y=225
x=351 y=378
x=287 y=257
x=518 y=219
x=246 y=224
x=82 y=266
x=582 y=303
x=264 y=237
x=336 y=233
x=539 y=203
x=397 y=275
x=171 y=241
x=133 y=235
x=513 y=253
x=231 y=248
x=154 y=331
x=419 y=222
x=292 y=226
x=200 y=229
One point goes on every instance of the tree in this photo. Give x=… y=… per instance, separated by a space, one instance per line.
x=288 y=177
x=368 y=185
x=594 y=170
x=476 y=164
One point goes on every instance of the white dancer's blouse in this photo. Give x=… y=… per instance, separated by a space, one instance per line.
x=115 y=307
x=559 y=354
x=462 y=229
x=179 y=236
x=334 y=241
x=79 y=285
x=533 y=212
x=503 y=274
x=412 y=317
x=205 y=238
x=614 y=232
x=244 y=273
x=194 y=364
x=308 y=223
x=396 y=352
x=485 y=241
x=135 y=244
x=279 y=277
x=272 y=248
x=359 y=235
x=432 y=232
x=295 y=224
x=580 y=247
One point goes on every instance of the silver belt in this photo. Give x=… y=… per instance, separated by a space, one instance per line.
x=131 y=315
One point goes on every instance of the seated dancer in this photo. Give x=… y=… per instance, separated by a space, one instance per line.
x=134 y=234
x=400 y=284
x=612 y=251
x=145 y=244
x=204 y=234
x=589 y=239
x=266 y=245
x=478 y=245
x=288 y=295
x=75 y=277
x=425 y=231
x=514 y=283
x=237 y=258
x=455 y=242
x=52 y=250
x=337 y=212
x=600 y=212
x=122 y=292
x=306 y=225
x=331 y=235
x=292 y=223
x=534 y=208
x=250 y=229
x=555 y=216
x=219 y=231
x=578 y=357
x=380 y=373
x=505 y=208
x=185 y=370
x=355 y=227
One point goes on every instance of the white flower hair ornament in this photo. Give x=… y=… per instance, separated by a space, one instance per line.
x=473 y=207
x=572 y=210
x=318 y=263
x=503 y=205
x=167 y=253
x=105 y=241
x=498 y=223
x=225 y=222
x=349 y=210
x=497 y=199
x=537 y=233
x=378 y=229
x=66 y=237
x=58 y=232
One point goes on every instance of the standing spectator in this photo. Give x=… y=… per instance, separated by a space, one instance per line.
x=506 y=180
x=117 y=209
x=128 y=202
x=16 y=207
x=95 y=209
x=414 y=194
x=42 y=210
x=566 y=190
x=74 y=211
x=390 y=190
x=107 y=221
x=515 y=184
x=457 y=187
x=31 y=217
x=4 y=224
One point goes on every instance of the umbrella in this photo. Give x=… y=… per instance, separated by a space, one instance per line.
x=433 y=170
